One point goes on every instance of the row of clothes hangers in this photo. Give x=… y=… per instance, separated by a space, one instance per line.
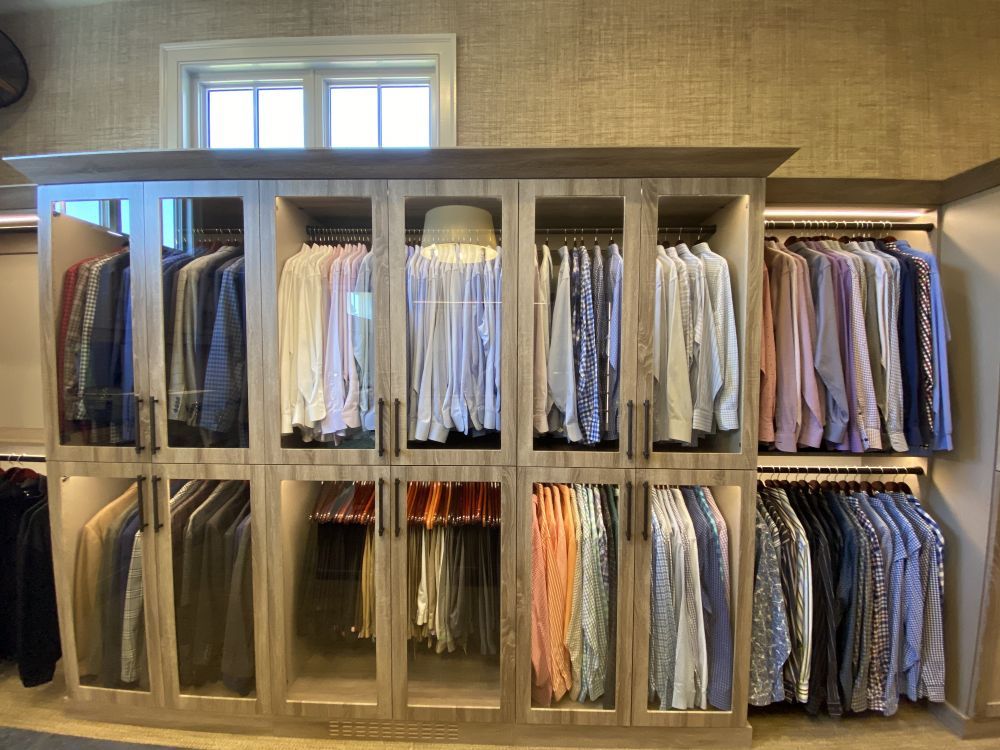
x=453 y=503
x=333 y=505
x=844 y=484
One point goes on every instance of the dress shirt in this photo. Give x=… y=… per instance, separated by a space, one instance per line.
x=672 y=404
x=599 y=291
x=768 y=365
x=541 y=682
x=727 y=408
x=614 y=274
x=562 y=369
x=788 y=403
x=541 y=314
x=769 y=641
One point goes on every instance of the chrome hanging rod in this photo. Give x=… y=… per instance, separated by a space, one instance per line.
x=862 y=470
x=834 y=225
x=22 y=458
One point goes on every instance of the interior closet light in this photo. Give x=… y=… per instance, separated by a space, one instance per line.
x=843 y=213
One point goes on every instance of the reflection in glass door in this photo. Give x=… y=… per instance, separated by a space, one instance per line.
x=106 y=537
x=329 y=540
x=211 y=559
x=93 y=276
x=454 y=322
x=453 y=595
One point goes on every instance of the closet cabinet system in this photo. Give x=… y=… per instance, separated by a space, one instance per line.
x=322 y=540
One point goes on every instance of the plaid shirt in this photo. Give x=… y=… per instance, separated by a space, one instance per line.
x=600 y=311
x=879 y=641
x=132 y=617
x=662 y=626
x=586 y=363
x=225 y=374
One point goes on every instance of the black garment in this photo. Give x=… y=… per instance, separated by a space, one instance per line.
x=607 y=495
x=238 y=648
x=38 y=645
x=20 y=491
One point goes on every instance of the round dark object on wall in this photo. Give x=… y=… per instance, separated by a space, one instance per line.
x=13 y=72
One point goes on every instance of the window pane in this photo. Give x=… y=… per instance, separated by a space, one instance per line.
x=353 y=116
x=89 y=211
x=230 y=118
x=406 y=116
x=281 y=118
x=126 y=218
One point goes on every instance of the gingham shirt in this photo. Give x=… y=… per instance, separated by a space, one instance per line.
x=225 y=374
x=586 y=365
x=879 y=634
x=662 y=626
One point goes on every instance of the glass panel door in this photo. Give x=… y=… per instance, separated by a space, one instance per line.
x=207 y=531
x=206 y=312
x=98 y=352
x=693 y=310
x=687 y=574
x=452 y=567
x=327 y=327
x=455 y=320
x=102 y=512
x=575 y=563
x=577 y=394
x=332 y=571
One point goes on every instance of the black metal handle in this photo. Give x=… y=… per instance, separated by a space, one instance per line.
x=630 y=408
x=156 y=504
x=645 y=436
x=396 y=490
x=381 y=436
x=137 y=410
x=395 y=427
x=645 y=512
x=628 y=510
x=152 y=424
x=140 y=480
x=381 y=521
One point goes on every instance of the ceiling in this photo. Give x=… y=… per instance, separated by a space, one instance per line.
x=11 y=6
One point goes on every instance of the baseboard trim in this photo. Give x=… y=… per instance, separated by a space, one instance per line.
x=964 y=726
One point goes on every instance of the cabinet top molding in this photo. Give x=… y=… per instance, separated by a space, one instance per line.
x=431 y=164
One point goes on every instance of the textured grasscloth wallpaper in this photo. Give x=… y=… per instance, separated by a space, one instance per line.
x=890 y=88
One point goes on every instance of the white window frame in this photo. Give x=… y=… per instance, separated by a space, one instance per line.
x=189 y=69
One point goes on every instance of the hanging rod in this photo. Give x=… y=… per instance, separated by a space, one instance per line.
x=22 y=458
x=220 y=230
x=834 y=225
x=867 y=470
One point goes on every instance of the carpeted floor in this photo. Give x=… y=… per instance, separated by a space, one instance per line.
x=23 y=713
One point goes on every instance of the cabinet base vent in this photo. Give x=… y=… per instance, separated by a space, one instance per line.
x=393 y=731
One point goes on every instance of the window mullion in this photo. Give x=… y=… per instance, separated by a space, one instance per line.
x=256 y=116
x=379 y=100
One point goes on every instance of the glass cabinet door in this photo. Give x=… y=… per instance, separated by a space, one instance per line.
x=453 y=290
x=106 y=592
x=687 y=576
x=577 y=321
x=331 y=595
x=453 y=587
x=204 y=320
x=575 y=588
x=694 y=322
x=326 y=323
x=96 y=359
x=211 y=590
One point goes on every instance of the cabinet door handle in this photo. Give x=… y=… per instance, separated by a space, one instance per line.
x=156 y=504
x=140 y=480
x=381 y=434
x=628 y=510
x=630 y=407
x=395 y=427
x=396 y=490
x=645 y=436
x=152 y=424
x=137 y=426
x=645 y=512
x=381 y=520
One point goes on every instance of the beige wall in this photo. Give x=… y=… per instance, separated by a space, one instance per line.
x=20 y=363
x=891 y=88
